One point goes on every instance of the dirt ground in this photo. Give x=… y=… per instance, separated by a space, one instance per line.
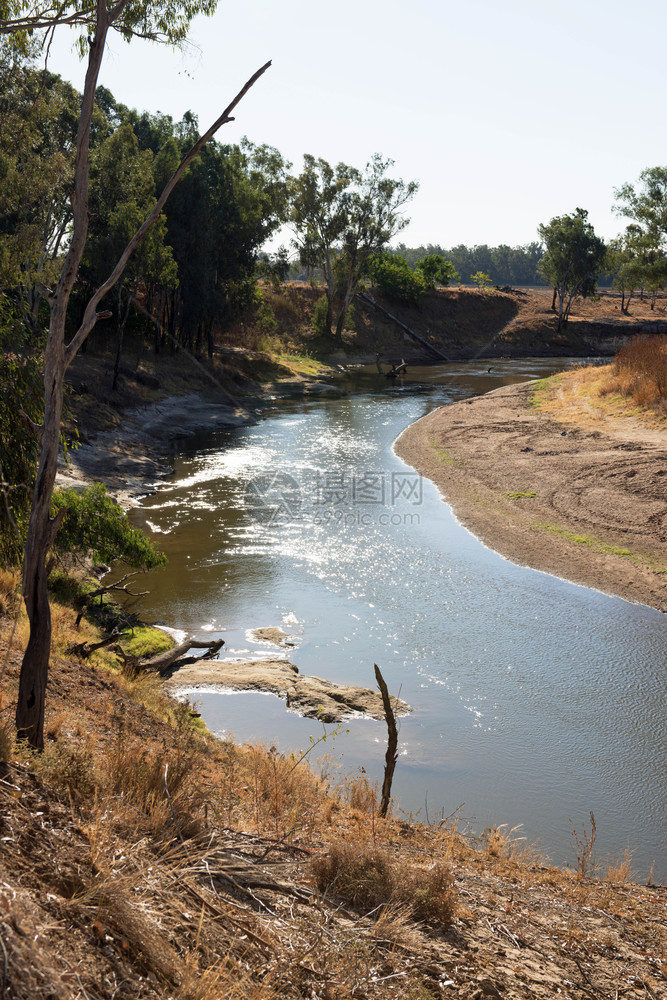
x=555 y=482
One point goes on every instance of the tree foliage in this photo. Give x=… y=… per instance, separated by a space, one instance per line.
x=94 y=524
x=640 y=255
x=395 y=278
x=435 y=270
x=573 y=258
x=506 y=265
x=21 y=390
x=342 y=218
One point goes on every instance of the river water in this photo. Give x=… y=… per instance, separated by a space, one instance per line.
x=535 y=700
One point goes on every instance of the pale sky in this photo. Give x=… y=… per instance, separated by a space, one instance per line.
x=506 y=113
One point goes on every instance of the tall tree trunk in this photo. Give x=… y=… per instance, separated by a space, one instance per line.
x=42 y=528
x=122 y=323
x=553 y=301
x=41 y=532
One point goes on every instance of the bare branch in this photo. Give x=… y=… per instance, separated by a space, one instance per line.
x=35 y=429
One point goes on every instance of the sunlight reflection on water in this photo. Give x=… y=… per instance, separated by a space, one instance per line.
x=527 y=707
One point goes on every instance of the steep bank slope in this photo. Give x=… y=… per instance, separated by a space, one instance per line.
x=460 y=322
x=583 y=498
x=142 y=858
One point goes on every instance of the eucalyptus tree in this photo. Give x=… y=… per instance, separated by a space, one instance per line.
x=165 y=20
x=646 y=203
x=342 y=218
x=122 y=192
x=573 y=258
x=38 y=124
x=228 y=204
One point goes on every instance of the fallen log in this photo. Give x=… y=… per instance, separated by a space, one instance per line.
x=163 y=661
x=84 y=649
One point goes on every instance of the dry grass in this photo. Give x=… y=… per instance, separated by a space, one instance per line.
x=620 y=871
x=10 y=580
x=639 y=371
x=368 y=876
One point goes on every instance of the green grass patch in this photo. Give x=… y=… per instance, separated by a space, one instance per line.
x=587 y=540
x=302 y=364
x=542 y=387
x=519 y=494
x=146 y=641
x=443 y=455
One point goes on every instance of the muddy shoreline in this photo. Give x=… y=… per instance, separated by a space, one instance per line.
x=585 y=504
x=129 y=461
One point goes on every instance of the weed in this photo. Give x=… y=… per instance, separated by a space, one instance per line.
x=69 y=766
x=499 y=841
x=583 y=846
x=620 y=871
x=518 y=494
x=359 y=793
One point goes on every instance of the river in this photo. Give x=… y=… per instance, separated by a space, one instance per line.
x=536 y=701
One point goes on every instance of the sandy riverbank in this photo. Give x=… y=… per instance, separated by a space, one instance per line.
x=585 y=500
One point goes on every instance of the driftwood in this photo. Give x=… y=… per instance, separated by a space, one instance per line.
x=392 y=743
x=163 y=661
x=84 y=649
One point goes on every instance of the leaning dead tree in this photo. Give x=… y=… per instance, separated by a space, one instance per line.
x=392 y=742
x=175 y=657
x=58 y=357
x=162 y=663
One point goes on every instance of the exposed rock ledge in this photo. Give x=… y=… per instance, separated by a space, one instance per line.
x=311 y=697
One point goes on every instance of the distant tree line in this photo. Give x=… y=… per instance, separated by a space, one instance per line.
x=505 y=265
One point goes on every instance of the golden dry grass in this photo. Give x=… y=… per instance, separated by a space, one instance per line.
x=639 y=371
x=367 y=876
x=590 y=397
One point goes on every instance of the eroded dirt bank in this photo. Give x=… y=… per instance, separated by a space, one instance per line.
x=582 y=499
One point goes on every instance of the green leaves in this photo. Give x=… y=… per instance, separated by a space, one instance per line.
x=94 y=523
x=435 y=270
x=158 y=20
x=21 y=389
x=395 y=278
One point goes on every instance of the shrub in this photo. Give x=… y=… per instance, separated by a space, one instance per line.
x=367 y=876
x=640 y=370
x=482 y=280
x=320 y=316
x=395 y=278
x=264 y=316
x=435 y=270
